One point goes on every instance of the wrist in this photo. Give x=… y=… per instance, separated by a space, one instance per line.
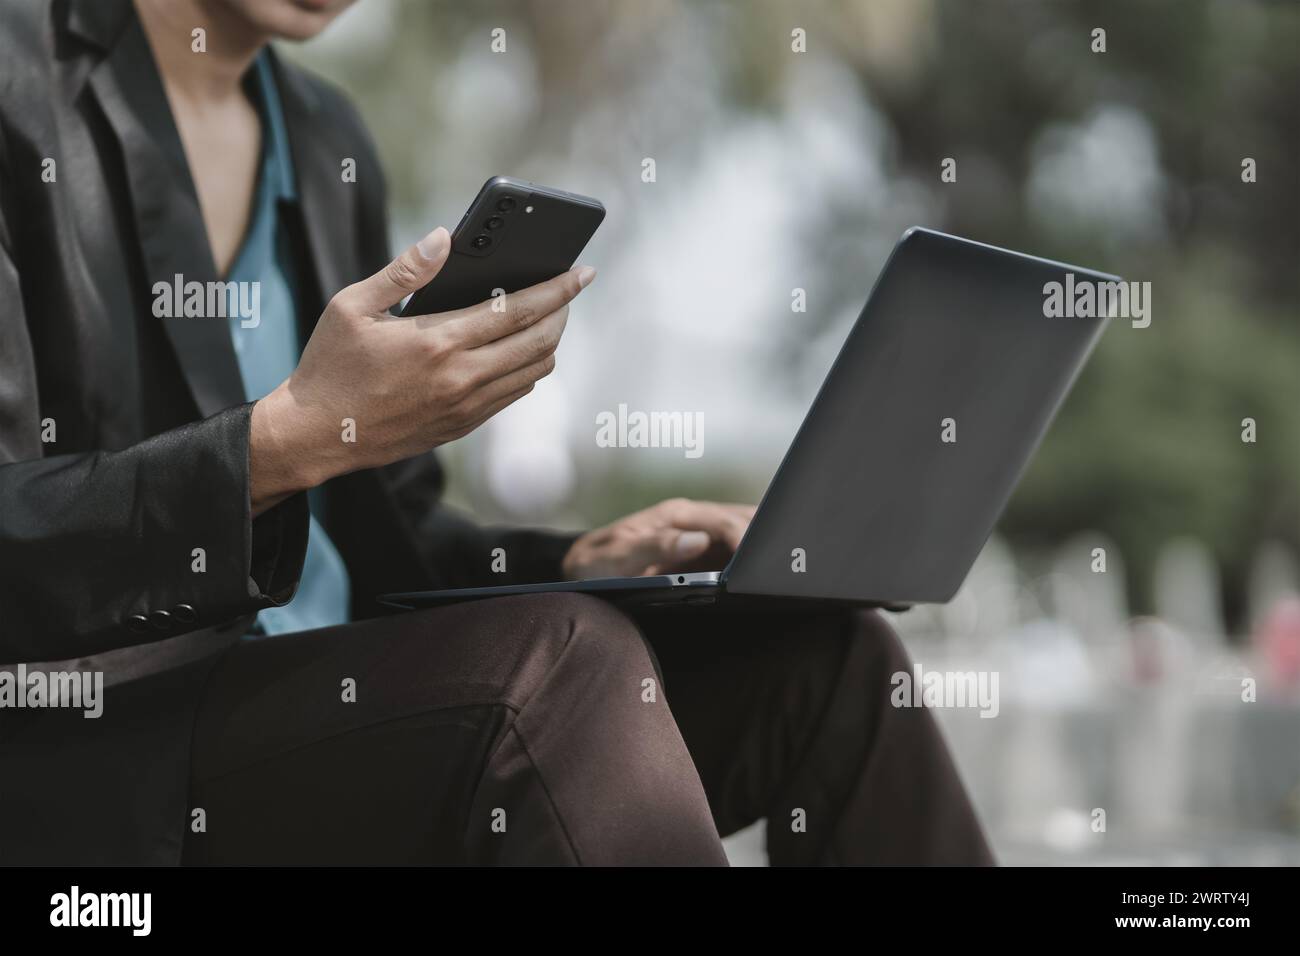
x=285 y=456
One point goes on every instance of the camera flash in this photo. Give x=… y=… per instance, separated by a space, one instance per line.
x=528 y=209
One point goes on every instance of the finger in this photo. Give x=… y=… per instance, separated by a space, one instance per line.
x=665 y=548
x=491 y=320
x=408 y=273
x=497 y=406
x=682 y=547
x=522 y=348
x=721 y=523
x=525 y=377
x=742 y=513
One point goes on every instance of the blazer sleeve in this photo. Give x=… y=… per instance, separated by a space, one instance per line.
x=458 y=550
x=94 y=545
x=464 y=552
x=461 y=552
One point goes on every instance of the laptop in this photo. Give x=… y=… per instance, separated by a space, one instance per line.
x=925 y=422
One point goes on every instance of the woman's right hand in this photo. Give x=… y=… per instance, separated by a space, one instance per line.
x=372 y=388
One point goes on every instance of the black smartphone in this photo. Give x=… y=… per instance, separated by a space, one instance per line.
x=514 y=234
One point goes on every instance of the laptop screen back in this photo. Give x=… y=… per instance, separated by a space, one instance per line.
x=939 y=396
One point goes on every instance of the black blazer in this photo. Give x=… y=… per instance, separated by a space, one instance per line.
x=149 y=457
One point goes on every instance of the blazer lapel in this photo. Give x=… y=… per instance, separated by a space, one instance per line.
x=168 y=220
x=324 y=200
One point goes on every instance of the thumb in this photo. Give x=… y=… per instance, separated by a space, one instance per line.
x=662 y=550
x=675 y=549
x=690 y=544
x=409 y=272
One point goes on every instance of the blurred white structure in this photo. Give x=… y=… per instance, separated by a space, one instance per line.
x=1140 y=718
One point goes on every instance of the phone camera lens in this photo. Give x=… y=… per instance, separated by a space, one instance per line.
x=506 y=204
x=496 y=222
x=481 y=242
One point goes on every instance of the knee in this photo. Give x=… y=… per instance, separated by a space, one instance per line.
x=601 y=637
x=588 y=637
x=872 y=655
x=860 y=636
x=575 y=618
x=880 y=642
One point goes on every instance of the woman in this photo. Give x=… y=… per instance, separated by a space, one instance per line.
x=203 y=506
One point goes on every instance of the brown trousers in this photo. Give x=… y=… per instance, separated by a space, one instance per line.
x=555 y=729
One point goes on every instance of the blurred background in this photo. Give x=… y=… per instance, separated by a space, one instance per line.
x=1164 y=690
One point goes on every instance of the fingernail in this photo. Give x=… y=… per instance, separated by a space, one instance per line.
x=691 y=543
x=434 y=244
x=585 y=275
